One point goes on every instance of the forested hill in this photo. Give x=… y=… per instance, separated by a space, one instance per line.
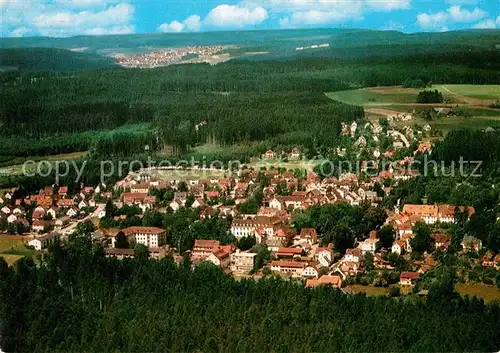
x=50 y=60
x=276 y=42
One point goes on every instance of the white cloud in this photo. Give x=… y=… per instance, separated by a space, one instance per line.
x=462 y=2
x=432 y=21
x=454 y=14
x=235 y=16
x=457 y=14
x=486 y=24
x=86 y=3
x=190 y=24
x=67 y=17
x=498 y=20
x=389 y=5
x=193 y=23
x=296 y=13
x=126 y=29
x=292 y=13
x=174 y=26
x=114 y=15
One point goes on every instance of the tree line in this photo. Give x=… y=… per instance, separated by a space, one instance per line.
x=78 y=300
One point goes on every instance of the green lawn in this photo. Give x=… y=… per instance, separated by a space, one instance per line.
x=189 y=174
x=7 y=242
x=11 y=259
x=488 y=92
x=290 y=165
x=380 y=96
x=366 y=96
x=370 y=290
x=12 y=248
x=17 y=164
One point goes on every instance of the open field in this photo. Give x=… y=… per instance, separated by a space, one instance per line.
x=483 y=291
x=11 y=259
x=472 y=99
x=17 y=168
x=369 y=290
x=189 y=174
x=290 y=165
x=474 y=95
x=8 y=242
x=483 y=92
x=376 y=96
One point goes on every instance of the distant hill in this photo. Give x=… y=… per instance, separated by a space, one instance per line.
x=281 y=42
x=50 y=59
x=91 y=52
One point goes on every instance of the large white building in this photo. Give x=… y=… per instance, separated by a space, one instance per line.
x=152 y=237
x=43 y=241
x=242 y=262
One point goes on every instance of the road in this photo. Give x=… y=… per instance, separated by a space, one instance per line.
x=71 y=228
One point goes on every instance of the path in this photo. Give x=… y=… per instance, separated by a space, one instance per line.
x=71 y=228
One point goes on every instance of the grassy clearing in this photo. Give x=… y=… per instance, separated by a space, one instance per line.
x=9 y=242
x=487 y=92
x=17 y=164
x=290 y=165
x=486 y=292
x=21 y=250
x=170 y=175
x=11 y=259
x=480 y=95
x=369 y=97
x=476 y=122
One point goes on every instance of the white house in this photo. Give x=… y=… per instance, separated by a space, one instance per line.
x=5 y=210
x=72 y=212
x=101 y=214
x=275 y=203
x=398 y=247
x=219 y=258
x=323 y=256
x=12 y=218
x=152 y=237
x=369 y=245
x=198 y=203
x=52 y=212
x=82 y=204
x=310 y=271
x=44 y=241
x=18 y=211
x=176 y=204
x=242 y=228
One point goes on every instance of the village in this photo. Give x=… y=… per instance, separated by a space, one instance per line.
x=291 y=252
x=170 y=56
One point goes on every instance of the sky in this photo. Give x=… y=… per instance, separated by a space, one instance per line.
x=63 y=18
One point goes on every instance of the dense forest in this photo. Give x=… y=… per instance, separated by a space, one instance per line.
x=51 y=60
x=284 y=96
x=78 y=300
x=243 y=107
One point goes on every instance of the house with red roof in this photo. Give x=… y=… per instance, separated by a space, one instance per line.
x=325 y=280
x=408 y=279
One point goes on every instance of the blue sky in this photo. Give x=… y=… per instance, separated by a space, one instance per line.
x=72 y=17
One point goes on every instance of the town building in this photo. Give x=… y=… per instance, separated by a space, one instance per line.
x=152 y=237
x=242 y=262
